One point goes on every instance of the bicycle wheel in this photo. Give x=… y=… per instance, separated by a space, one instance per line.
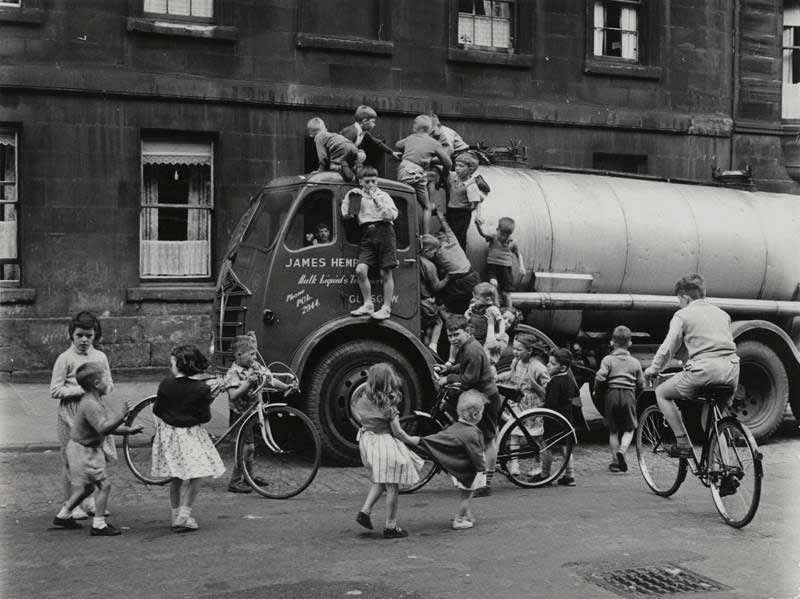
x=662 y=473
x=138 y=449
x=536 y=450
x=419 y=425
x=281 y=457
x=734 y=473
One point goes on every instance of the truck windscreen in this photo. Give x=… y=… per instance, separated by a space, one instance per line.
x=270 y=213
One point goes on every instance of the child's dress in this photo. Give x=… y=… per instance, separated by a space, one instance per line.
x=386 y=457
x=520 y=376
x=181 y=446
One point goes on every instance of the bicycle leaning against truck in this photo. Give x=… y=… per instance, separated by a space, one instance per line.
x=287 y=453
x=729 y=463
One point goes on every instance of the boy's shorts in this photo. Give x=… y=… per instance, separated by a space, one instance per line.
x=429 y=312
x=378 y=245
x=696 y=375
x=87 y=465
x=480 y=481
x=457 y=294
x=620 y=410
x=503 y=274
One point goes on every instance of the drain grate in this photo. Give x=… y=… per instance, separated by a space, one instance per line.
x=653 y=581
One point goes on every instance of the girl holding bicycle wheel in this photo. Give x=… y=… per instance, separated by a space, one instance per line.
x=182 y=448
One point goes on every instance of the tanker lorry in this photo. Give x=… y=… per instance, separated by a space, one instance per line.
x=604 y=250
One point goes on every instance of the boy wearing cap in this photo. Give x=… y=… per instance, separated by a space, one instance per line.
x=620 y=379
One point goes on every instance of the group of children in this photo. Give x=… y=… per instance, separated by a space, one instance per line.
x=182 y=449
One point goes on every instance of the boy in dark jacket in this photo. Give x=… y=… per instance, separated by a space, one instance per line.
x=473 y=370
x=558 y=396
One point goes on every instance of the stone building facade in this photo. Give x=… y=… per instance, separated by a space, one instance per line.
x=132 y=132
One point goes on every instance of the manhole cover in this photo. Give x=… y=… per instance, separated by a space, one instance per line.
x=653 y=581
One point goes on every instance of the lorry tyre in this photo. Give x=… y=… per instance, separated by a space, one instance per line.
x=331 y=384
x=760 y=399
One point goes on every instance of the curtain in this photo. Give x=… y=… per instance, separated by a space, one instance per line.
x=199 y=195
x=630 y=41
x=8 y=216
x=599 y=23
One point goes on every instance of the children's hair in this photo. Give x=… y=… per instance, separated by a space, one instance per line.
x=527 y=341
x=365 y=112
x=244 y=343
x=429 y=241
x=189 y=360
x=88 y=375
x=422 y=124
x=515 y=314
x=563 y=356
x=693 y=285
x=495 y=348
x=502 y=339
x=506 y=225
x=85 y=320
x=486 y=290
x=456 y=322
x=621 y=336
x=367 y=171
x=316 y=123
x=470 y=405
x=468 y=159
x=323 y=225
x=383 y=385
x=434 y=120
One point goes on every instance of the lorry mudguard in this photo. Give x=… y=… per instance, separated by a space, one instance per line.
x=740 y=327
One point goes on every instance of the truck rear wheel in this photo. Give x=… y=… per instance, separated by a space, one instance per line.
x=760 y=399
x=330 y=389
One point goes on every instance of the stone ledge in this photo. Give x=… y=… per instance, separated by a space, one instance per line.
x=22 y=15
x=157 y=293
x=17 y=295
x=595 y=66
x=154 y=26
x=120 y=375
x=360 y=45
x=503 y=59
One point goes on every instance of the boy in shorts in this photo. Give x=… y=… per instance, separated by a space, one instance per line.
x=705 y=331
x=451 y=260
x=335 y=152
x=464 y=198
x=499 y=259
x=376 y=216
x=87 y=461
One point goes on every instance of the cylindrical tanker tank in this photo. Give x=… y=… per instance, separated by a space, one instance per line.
x=638 y=236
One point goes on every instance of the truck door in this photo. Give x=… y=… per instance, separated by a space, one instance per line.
x=405 y=303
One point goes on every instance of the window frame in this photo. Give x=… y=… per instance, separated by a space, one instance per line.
x=6 y=129
x=518 y=56
x=334 y=222
x=791 y=49
x=513 y=30
x=379 y=45
x=165 y=16
x=187 y=138
x=646 y=65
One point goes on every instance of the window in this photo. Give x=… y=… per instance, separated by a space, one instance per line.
x=312 y=224
x=9 y=257
x=181 y=9
x=177 y=200
x=353 y=232
x=488 y=24
x=791 y=60
x=622 y=163
x=616 y=28
x=10 y=2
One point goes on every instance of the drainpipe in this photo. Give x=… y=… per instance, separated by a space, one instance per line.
x=736 y=15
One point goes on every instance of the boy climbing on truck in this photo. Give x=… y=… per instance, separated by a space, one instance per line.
x=335 y=152
x=499 y=259
x=376 y=213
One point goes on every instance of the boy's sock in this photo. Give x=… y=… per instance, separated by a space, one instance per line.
x=184 y=512
x=64 y=512
x=489 y=476
x=174 y=514
x=99 y=522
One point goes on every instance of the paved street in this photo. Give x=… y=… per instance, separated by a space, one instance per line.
x=527 y=543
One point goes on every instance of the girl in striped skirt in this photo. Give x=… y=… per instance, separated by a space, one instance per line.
x=381 y=442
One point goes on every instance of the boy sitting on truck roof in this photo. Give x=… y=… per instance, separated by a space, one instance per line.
x=335 y=152
x=376 y=214
x=705 y=331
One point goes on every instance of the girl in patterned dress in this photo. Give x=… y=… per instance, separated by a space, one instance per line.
x=381 y=442
x=182 y=448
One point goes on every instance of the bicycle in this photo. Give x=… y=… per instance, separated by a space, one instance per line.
x=520 y=448
x=288 y=449
x=729 y=465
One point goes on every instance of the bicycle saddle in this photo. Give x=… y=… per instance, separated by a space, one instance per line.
x=717 y=393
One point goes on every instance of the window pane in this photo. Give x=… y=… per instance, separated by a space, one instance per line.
x=179 y=7
x=311 y=222
x=8 y=160
x=485 y=23
x=159 y=6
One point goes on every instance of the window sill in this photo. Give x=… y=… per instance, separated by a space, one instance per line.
x=620 y=68
x=213 y=32
x=22 y=15
x=360 y=45
x=17 y=295
x=174 y=293
x=505 y=59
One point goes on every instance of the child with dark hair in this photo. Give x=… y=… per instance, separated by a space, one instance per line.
x=84 y=332
x=360 y=133
x=92 y=422
x=486 y=323
x=182 y=449
x=558 y=396
x=499 y=259
x=619 y=380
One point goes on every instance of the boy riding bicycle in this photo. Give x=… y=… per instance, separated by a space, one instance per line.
x=704 y=330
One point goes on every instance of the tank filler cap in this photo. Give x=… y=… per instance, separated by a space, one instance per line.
x=513 y=155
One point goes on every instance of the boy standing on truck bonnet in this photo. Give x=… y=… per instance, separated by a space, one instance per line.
x=620 y=380
x=376 y=216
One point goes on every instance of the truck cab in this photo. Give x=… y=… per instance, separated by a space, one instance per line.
x=296 y=292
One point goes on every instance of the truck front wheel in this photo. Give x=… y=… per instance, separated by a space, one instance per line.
x=331 y=385
x=760 y=399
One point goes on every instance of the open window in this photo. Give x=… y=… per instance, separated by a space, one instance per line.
x=402 y=234
x=312 y=224
x=791 y=59
x=9 y=255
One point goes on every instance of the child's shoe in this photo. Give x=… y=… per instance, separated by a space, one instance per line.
x=462 y=524
x=239 y=487
x=382 y=314
x=614 y=467
x=364 y=520
x=364 y=310
x=79 y=514
x=539 y=478
x=482 y=492
x=107 y=531
x=394 y=533
x=67 y=522
x=623 y=464
x=566 y=481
